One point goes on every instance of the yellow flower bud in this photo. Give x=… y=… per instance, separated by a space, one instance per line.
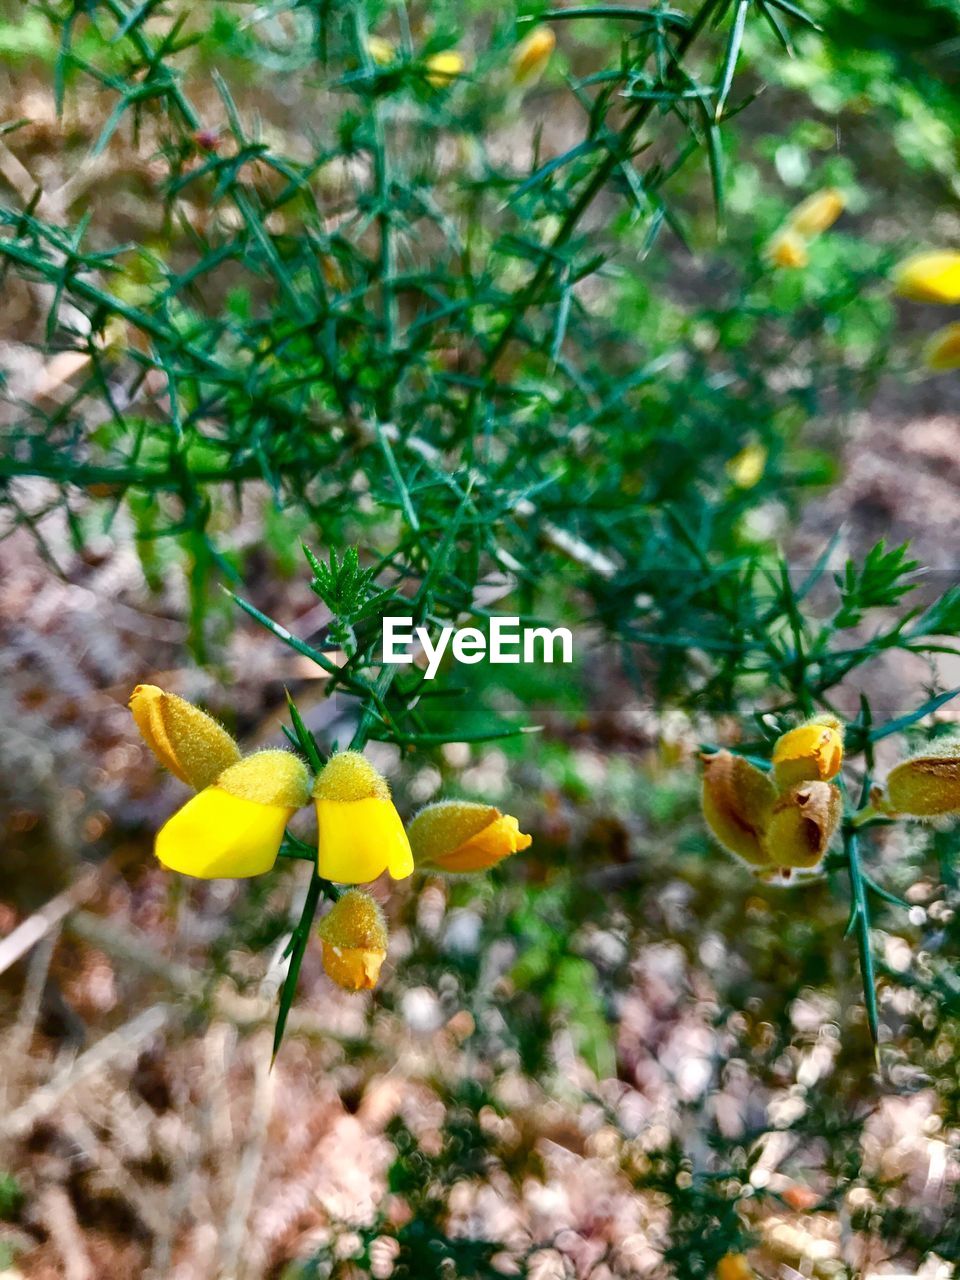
x=941 y=352
x=381 y=50
x=738 y=799
x=530 y=57
x=926 y=785
x=354 y=938
x=443 y=68
x=929 y=277
x=802 y=824
x=184 y=739
x=460 y=836
x=787 y=249
x=811 y=752
x=234 y=828
x=816 y=213
x=734 y=1266
x=360 y=832
x=746 y=468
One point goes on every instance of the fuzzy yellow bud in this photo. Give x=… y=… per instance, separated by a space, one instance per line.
x=234 y=827
x=941 y=352
x=802 y=825
x=818 y=212
x=381 y=50
x=734 y=1266
x=530 y=57
x=461 y=836
x=926 y=785
x=738 y=799
x=443 y=68
x=787 y=249
x=354 y=938
x=360 y=834
x=811 y=752
x=746 y=468
x=184 y=739
x=929 y=277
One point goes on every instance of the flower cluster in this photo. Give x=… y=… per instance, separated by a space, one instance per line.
x=234 y=825
x=790 y=246
x=934 y=277
x=782 y=820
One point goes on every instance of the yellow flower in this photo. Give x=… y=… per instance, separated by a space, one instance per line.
x=530 y=57
x=734 y=1266
x=738 y=799
x=926 y=785
x=929 y=277
x=787 y=249
x=443 y=68
x=811 y=752
x=942 y=352
x=234 y=827
x=184 y=739
x=458 y=835
x=816 y=213
x=360 y=832
x=802 y=824
x=380 y=50
x=354 y=938
x=746 y=468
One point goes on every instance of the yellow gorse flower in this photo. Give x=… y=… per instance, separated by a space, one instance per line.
x=738 y=799
x=734 y=1266
x=941 y=352
x=184 y=739
x=530 y=57
x=929 y=277
x=443 y=68
x=926 y=785
x=354 y=938
x=461 y=836
x=746 y=468
x=811 y=752
x=802 y=825
x=359 y=831
x=381 y=50
x=233 y=828
x=787 y=249
x=818 y=212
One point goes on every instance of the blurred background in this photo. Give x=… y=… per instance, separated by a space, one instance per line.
x=618 y=1054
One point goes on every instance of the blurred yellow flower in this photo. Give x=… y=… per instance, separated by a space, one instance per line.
x=381 y=50
x=734 y=1266
x=816 y=213
x=354 y=938
x=234 y=827
x=926 y=785
x=738 y=799
x=443 y=68
x=941 y=353
x=787 y=249
x=530 y=57
x=802 y=825
x=184 y=739
x=929 y=277
x=746 y=468
x=811 y=752
x=360 y=834
x=461 y=836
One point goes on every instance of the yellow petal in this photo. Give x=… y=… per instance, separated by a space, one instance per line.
x=184 y=739
x=787 y=249
x=360 y=839
x=942 y=352
x=443 y=68
x=734 y=1266
x=381 y=50
x=746 y=468
x=802 y=824
x=811 y=752
x=929 y=277
x=738 y=799
x=530 y=57
x=817 y=213
x=218 y=834
x=462 y=836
